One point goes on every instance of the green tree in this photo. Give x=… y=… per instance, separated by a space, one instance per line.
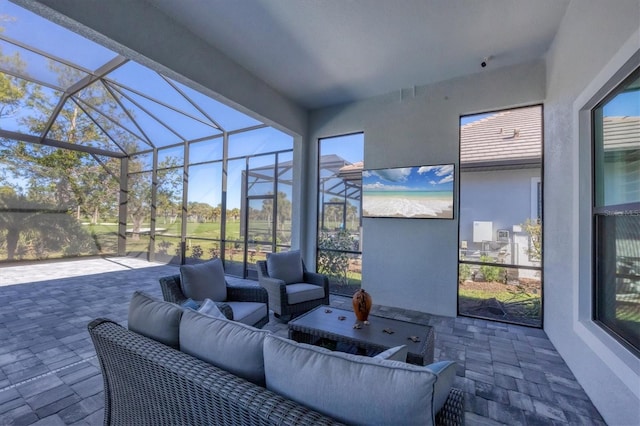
x=169 y=190
x=284 y=209
x=199 y=212
x=139 y=198
x=234 y=213
x=333 y=211
x=50 y=229
x=216 y=212
x=66 y=178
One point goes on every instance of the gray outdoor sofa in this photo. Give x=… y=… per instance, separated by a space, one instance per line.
x=180 y=367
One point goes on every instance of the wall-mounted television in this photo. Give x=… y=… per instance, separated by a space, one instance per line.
x=420 y=192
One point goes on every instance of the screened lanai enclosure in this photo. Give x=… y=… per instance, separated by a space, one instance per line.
x=102 y=155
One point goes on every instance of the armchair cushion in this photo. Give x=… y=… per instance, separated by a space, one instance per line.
x=229 y=345
x=303 y=292
x=204 y=281
x=248 y=312
x=285 y=266
x=155 y=319
x=390 y=390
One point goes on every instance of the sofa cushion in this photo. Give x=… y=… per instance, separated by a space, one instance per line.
x=397 y=353
x=204 y=281
x=229 y=345
x=349 y=388
x=248 y=312
x=285 y=266
x=155 y=319
x=210 y=309
x=303 y=292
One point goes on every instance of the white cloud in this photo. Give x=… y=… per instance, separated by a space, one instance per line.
x=445 y=170
x=379 y=186
x=393 y=175
x=448 y=178
x=438 y=170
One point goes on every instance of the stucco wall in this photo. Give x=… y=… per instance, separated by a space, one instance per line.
x=595 y=39
x=412 y=263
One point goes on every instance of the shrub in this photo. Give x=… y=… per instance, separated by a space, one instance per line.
x=490 y=272
x=464 y=272
x=332 y=257
x=196 y=252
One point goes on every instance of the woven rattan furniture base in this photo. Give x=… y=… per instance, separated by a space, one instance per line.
x=380 y=334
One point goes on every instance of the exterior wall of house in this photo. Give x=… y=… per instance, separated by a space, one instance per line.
x=504 y=198
x=413 y=263
x=594 y=42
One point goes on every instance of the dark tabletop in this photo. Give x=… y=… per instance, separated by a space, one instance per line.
x=324 y=321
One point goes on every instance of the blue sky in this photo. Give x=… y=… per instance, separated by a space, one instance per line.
x=422 y=178
x=625 y=104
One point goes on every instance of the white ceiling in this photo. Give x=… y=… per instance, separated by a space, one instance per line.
x=320 y=53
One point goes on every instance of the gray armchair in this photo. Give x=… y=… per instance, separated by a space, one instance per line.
x=290 y=297
x=236 y=295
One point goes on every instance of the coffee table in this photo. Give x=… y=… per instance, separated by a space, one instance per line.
x=325 y=322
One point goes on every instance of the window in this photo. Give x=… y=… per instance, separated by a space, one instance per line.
x=500 y=249
x=339 y=252
x=616 y=212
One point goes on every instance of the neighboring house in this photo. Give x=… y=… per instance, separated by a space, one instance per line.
x=500 y=185
x=621 y=136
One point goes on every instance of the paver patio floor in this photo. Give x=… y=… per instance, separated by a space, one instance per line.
x=49 y=374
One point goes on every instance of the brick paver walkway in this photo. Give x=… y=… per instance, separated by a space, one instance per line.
x=49 y=374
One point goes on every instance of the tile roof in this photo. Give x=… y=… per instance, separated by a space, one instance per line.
x=507 y=137
x=513 y=137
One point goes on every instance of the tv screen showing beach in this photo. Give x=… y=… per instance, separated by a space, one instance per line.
x=408 y=192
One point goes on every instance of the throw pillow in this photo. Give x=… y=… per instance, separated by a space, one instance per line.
x=190 y=304
x=285 y=266
x=155 y=319
x=398 y=353
x=204 y=281
x=337 y=384
x=229 y=345
x=210 y=309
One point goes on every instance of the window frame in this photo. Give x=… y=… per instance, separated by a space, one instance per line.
x=601 y=210
x=536 y=208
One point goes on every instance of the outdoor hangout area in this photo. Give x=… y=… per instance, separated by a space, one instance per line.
x=50 y=373
x=363 y=212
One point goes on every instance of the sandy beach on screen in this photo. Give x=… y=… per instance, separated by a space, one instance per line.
x=410 y=207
